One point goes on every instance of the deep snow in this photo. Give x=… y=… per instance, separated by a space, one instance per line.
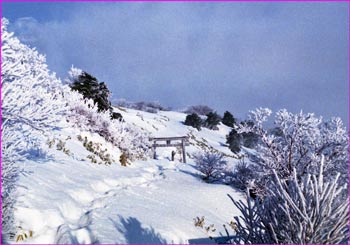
x=68 y=199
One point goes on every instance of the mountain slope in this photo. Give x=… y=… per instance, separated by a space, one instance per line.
x=67 y=199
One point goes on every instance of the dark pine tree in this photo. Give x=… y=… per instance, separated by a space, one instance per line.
x=91 y=88
x=228 y=119
x=212 y=121
x=250 y=140
x=194 y=120
x=233 y=139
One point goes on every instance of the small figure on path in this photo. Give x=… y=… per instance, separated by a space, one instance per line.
x=173 y=155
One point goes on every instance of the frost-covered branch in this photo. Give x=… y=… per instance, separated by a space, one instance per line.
x=294 y=211
x=32 y=106
x=300 y=142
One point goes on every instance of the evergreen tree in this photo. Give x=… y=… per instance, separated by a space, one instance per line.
x=194 y=120
x=233 y=139
x=250 y=139
x=212 y=121
x=228 y=119
x=91 y=88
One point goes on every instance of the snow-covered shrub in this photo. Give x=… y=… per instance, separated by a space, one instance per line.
x=97 y=150
x=294 y=211
x=300 y=143
x=243 y=176
x=211 y=165
x=60 y=145
x=199 y=109
x=84 y=114
x=9 y=177
x=32 y=107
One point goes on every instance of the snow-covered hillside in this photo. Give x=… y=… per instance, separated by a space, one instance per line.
x=65 y=198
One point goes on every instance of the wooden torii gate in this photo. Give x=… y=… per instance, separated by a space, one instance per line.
x=168 y=143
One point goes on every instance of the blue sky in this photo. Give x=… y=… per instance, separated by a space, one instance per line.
x=230 y=56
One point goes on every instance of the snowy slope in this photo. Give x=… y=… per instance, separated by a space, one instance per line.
x=67 y=199
x=169 y=124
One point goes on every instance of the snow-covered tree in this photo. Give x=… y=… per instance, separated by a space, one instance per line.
x=302 y=140
x=31 y=95
x=295 y=211
x=32 y=106
x=9 y=176
x=210 y=164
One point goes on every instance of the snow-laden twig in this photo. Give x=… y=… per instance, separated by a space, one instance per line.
x=295 y=212
x=299 y=142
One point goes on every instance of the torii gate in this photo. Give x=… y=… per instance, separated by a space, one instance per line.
x=182 y=144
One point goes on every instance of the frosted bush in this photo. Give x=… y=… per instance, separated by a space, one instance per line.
x=211 y=165
x=31 y=94
x=294 y=211
x=243 y=176
x=32 y=107
x=302 y=140
x=129 y=139
x=9 y=177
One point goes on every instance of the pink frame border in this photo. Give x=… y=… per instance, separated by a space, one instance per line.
x=348 y=123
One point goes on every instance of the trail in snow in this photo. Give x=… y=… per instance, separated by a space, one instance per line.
x=78 y=217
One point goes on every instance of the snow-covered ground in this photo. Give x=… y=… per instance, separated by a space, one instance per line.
x=67 y=199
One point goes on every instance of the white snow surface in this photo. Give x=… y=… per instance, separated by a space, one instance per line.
x=67 y=199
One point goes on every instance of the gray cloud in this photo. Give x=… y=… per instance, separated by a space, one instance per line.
x=231 y=56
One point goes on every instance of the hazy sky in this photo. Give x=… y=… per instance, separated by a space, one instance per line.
x=230 y=56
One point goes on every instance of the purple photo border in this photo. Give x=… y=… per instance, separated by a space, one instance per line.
x=348 y=114
x=348 y=122
x=1 y=127
x=175 y=0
